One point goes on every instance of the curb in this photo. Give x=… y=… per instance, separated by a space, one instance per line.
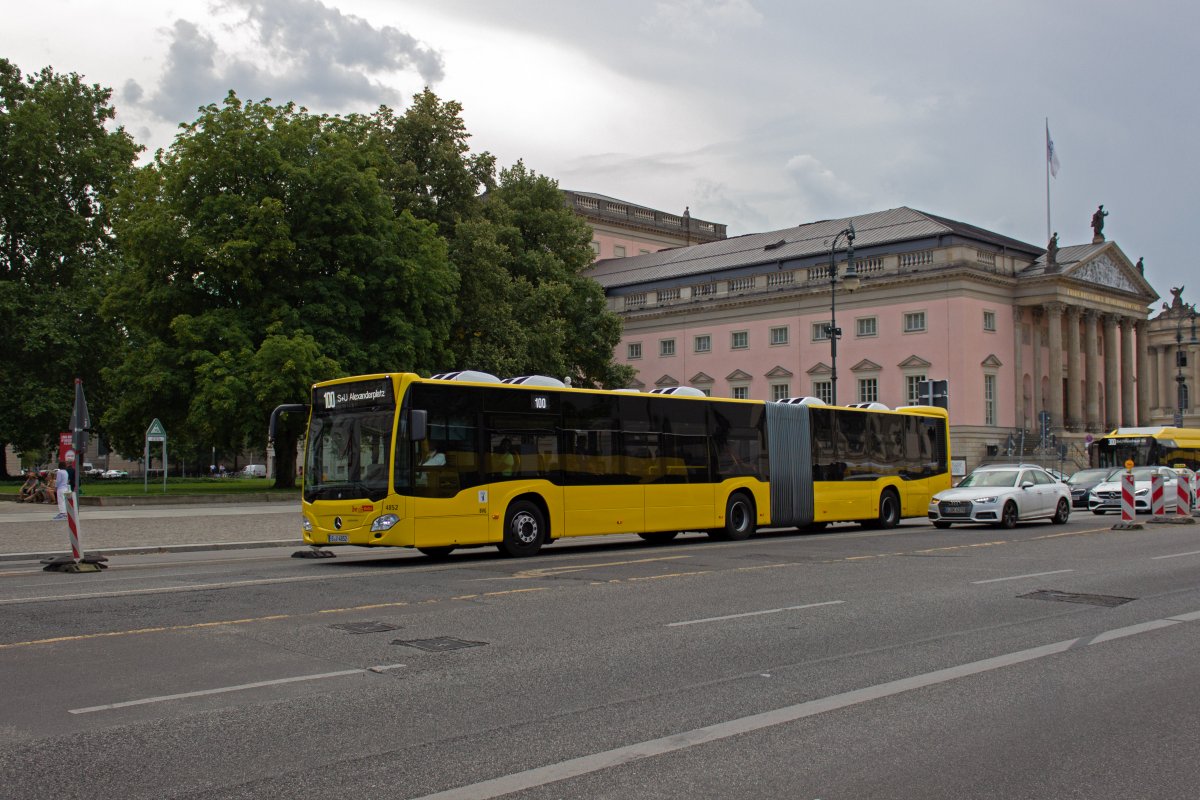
x=176 y=499
x=155 y=549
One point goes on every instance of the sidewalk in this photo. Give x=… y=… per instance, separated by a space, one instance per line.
x=29 y=532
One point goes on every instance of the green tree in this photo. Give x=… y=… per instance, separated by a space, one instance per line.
x=265 y=228
x=526 y=306
x=60 y=158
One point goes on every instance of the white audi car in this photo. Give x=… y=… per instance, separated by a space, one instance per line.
x=1002 y=495
x=1106 y=497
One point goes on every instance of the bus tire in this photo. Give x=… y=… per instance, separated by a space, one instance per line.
x=436 y=553
x=889 y=510
x=739 y=519
x=659 y=537
x=524 y=530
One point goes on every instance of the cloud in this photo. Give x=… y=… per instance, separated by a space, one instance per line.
x=287 y=50
x=703 y=20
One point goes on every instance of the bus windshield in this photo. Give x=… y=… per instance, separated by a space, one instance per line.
x=349 y=442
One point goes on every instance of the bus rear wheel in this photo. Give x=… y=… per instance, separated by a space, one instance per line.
x=889 y=512
x=524 y=530
x=739 y=519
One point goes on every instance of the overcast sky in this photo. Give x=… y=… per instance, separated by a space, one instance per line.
x=760 y=114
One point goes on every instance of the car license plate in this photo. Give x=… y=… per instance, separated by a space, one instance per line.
x=334 y=538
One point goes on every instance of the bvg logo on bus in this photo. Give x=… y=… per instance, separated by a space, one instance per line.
x=362 y=509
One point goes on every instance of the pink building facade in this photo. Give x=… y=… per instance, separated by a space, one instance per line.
x=1018 y=338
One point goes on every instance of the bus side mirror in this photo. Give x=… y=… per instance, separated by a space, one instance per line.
x=418 y=422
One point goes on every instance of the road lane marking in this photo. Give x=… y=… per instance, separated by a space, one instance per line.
x=752 y=613
x=550 y=572
x=226 y=689
x=1176 y=555
x=1019 y=577
x=595 y=762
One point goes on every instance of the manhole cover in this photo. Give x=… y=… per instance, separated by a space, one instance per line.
x=1106 y=600
x=439 y=645
x=365 y=627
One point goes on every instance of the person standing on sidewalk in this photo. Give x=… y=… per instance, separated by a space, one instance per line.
x=62 y=484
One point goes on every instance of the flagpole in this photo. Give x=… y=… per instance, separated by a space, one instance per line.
x=1047 y=179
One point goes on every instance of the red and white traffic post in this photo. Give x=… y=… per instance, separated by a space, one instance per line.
x=1157 y=502
x=1127 y=510
x=1183 y=496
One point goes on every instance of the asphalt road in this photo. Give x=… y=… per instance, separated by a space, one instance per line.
x=851 y=664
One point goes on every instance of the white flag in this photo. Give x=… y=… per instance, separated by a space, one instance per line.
x=1051 y=154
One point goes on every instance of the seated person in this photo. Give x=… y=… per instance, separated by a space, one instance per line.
x=29 y=488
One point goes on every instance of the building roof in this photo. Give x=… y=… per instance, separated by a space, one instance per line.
x=804 y=241
x=1067 y=257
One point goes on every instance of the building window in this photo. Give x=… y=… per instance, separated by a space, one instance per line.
x=820 y=332
x=779 y=391
x=823 y=391
x=867 y=326
x=779 y=335
x=868 y=390
x=741 y=393
x=989 y=399
x=914 y=321
x=635 y=350
x=618 y=251
x=703 y=343
x=912 y=389
x=666 y=347
x=989 y=321
x=595 y=247
x=740 y=340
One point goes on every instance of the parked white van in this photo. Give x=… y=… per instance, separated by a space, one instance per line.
x=255 y=471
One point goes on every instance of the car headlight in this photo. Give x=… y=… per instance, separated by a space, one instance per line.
x=384 y=523
x=1142 y=492
x=985 y=500
x=307 y=524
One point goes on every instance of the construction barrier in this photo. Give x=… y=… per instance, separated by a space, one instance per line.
x=1127 y=511
x=77 y=561
x=1183 y=497
x=1157 y=503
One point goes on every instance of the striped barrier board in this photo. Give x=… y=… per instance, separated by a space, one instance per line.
x=1157 y=504
x=1127 y=497
x=1183 y=497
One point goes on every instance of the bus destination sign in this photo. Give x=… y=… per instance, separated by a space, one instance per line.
x=362 y=394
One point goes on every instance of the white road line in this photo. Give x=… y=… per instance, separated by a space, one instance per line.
x=1019 y=577
x=752 y=613
x=1176 y=555
x=239 y=688
x=595 y=762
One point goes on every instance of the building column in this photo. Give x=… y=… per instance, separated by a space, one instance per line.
x=1145 y=382
x=1166 y=377
x=1018 y=369
x=1074 y=362
x=1054 y=312
x=1112 y=367
x=1091 y=370
x=1128 y=397
x=1036 y=396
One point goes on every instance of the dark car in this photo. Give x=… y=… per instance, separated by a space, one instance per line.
x=1083 y=481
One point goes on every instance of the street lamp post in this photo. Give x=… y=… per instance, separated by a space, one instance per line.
x=1180 y=360
x=850 y=281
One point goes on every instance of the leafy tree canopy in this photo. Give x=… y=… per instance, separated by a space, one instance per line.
x=60 y=158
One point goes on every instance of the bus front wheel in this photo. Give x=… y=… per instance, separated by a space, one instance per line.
x=524 y=530
x=889 y=511
x=739 y=519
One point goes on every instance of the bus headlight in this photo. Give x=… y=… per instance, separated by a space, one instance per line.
x=307 y=524
x=384 y=523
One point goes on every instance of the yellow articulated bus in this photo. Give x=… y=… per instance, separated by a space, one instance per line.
x=464 y=460
x=1150 y=447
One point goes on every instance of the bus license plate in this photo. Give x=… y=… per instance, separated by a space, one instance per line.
x=339 y=537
